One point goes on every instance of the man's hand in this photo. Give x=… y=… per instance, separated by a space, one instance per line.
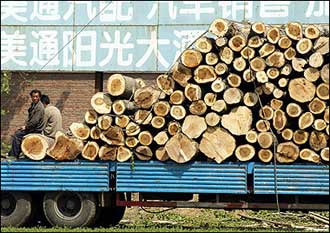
x=22 y=127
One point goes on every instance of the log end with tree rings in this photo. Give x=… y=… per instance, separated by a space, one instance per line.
x=259 y=28
x=263 y=125
x=95 y=132
x=279 y=120
x=293 y=110
x=204 y=74
x=122 y=121
x=318 y=140
x=325 y=73
x=301 y=90
x=161 y=138
x=177 y=97
x=193 y=126
x=237 y=43
x=161 y=154
x=255 y=42
x=79 y=130
x=276 y=59
x=325 y=154
x=197 y=107
x=284 y=42
x=158 y=122
x=211 y=58
x=265 y=139
x=265 y=155
x=287 y=152
x=317 y=106
x=173 y=127
x=312 y=74
x=203 y=45
x=258 y=64
x=266 y=50
x=116 y=85
x=316 y=60
x=193 y=92
x=321 y=45
x=142 y=117
x=91 y=117
x=145 y=138
x=251 y=136
x=276 y=104
x=294 y=30
x=273 y=35
x=34 y=146
x=212 y=119
x=219 y=106
x=232 y=95
x=245 y=152
x=290 y=54
x=181 y=74
x=221 y=41
x=118 y=107
x=210 y=98
x=220 y=68
x=309 y=155
x=104 y=122
x=234 y=80
x=247 y=53
x=123 y=154
x=218 y=85
x=239 y=64
x=180 y=148
x=143 y=153
x=311 y=32
x=272 y=73
x=178 y=112
x=304 y=46
x=131 y=142
x=266 y=112
x=305 y=120
x=90 y=150
x=250 y=99
x=161 y=108
x=226 y=55
x=113 y=136
x=300 y=137
x=319 y=124
x=287 y=134
x=108 y=153
x=165 y=83
x=219 y=27
x=238 y=121
x=101 y=103
x=191 y=58
x=322 y=91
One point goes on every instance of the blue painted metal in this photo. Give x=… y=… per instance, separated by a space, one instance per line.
x=291 y=179
x=54 y=176
x=194 y=177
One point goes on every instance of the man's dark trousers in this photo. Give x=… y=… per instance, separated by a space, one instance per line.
x=17 y=141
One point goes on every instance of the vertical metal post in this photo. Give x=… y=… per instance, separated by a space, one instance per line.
x=98 y=81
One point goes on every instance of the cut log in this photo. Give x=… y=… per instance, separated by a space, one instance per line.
x=273 y=35
x=178 y=112
x=197 y=107
x=161 y=138
x=286 y=69
x=193 y=126
x=287 y=134
x=142 y=117
x=80 y=130
x=250 y=99
x=261 y=76
x=311 y=74
x=219 y=106
x=263 y=125
x=181 y=74
x=34 y=146
x=327 y=130
x=284 y=42
x=132 y=129
x=293 y=110
x=301 y=90
x=220 y=68
x=265 y=155
x=318 y=140
x=122 y=121
x=248 y=76
x=309 y=155
x=158 y=122
x=321 y=45
x=325 y=73
x=216 y=149
x=226 y=55
x=219 y=27
x=101 y=103
x=300 y=136
x=143 y=152
x=305 y=120
x=258 y=64
x=316 y=60
x=232 y=95
x=180 y=148
x=113 y=136
x=237 y=43
x=108 y=153
x=161 y=154
x=248 y=53
x=255 y=42
x=279 y=120
x=210 y=98
x=131 y=142
x=266 y=50
x=319 y=124
x=322 y=91
x=258 y=28
x=193 y=92
x=120 y=85
x=265 y=139
x=161 y=108
x=245 y=152
x=294 y=30
x=191 y=58
x=276 y=59
x=311 y=32
x=212 y=119
x=211 y=58
x=273 y=73
x=173 y=128
x=234 y=80
x=104 y=122
x=268 y=87
x=325 y=154
x=91 y=117
x=326 y=115
x=203 y=44
x=304 y=46
x=145 y=97
x=266 y=112
x=218 y=85
x=238 y=121
x=204 y=74
x=278 y=93
x=90 y=150
x=177 y=97
x=221 y=41
x=283 y=82
x=118 y=107
x=316 y=106
x=276 y=104
x=64 y=147
x=95 y=132
x=287 y=152
x=145 y=138
x=251 y=136
x=123 y=154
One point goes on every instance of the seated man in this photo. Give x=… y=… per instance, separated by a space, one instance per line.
x=34 y=124
x=52 y=118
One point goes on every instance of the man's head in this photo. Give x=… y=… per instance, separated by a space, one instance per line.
x=35 y=96
x=45 y=100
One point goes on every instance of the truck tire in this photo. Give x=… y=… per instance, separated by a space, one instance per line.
x=70 y=209
x=16 y=208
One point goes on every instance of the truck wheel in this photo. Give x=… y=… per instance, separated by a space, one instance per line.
x=70 y=209
x=16 y=208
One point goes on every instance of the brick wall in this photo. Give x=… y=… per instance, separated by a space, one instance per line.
x=70 y=92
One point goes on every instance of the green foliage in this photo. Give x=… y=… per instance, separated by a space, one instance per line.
x=5 y=87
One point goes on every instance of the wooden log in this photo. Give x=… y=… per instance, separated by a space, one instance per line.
x=316 y=60
x=248 y=53
x=316 y=106
x=239 y=64
x=258 y=64
x=80 y=130
x=177 y=97
x=123 y=154
x=283 y=82
x=322 y=91
x=212 y=119
x=319 y=124
x=266 y=50
x=250 y=99
x=248 y=76
x=238 y=121
x=290 y=54
x=258 y=28
x=143 y=153
x=108 y=153
x=266 y=112
x=181 y=74
x=311 y=74
x=318 y=140
x=173 y=128
x=255 y=42
x=276 y=104
x=197 y=107
x=304 y=46
x=245 y=152
x=325 y=154
x=142 y=117
x=286 y=70
x=95 y=132
x=203 y=45
x=268 y=87
x=232 y=95
x=276 y=59
x=321 y=45
x=216 y=149
x=327 y=130
x=219 y=27
x=263 y=125
x=120 y=85
x=191 y=58
x=34 y=146
x=122 y=121
x=210 y=98
x=91 y=117
x=132 y=129
x=161 y=138
x=226 y=55
x=211 y=58
x=218 y=85
x=146 y=96
x=161 y=108
x=287 y=152
x=265 y=155
x=237 y=42
x=311 y=32
x=234 y=80
x=158 y=122
x=104 y=122
x=165 y=83
x=113 y=136
x=294 y=30
x=261 y=76
x=204 y=74
x=309 y=155
x=221 y=41
x=284 y=42
x=193 y=126
x=287 y=134
x=178 y=112
x=265 y=139
x=301 y=90
x=272 y=72
x=118 y=107
x=279 y=120
x=145 y=138
x=305 y=120
x=326 y=115
x=193 y=92
x=273 y=35
x=90 y=150
x=101 y=103
x=251 y=136
x=64 y=147
x=300 y=136
x=293 y=110
x=219 y=106
x=278 y=93
x=180 y=148
x=131 y=142
x=325 y=73
x=220 y=68
x=161 y=154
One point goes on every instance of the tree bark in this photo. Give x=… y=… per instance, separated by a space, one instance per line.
x=90 y=150
x=238 y=121
x=108 y=153
x=193 y=126
x=180 y=148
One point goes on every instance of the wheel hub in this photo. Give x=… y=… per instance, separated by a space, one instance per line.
x=8 y=204
x=69 y=204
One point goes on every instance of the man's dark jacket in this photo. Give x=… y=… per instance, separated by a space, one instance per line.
x=35 y=121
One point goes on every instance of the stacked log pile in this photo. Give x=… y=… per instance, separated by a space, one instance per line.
x=240 y=92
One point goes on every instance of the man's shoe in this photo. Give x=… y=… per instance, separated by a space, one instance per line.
x=21 y=156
